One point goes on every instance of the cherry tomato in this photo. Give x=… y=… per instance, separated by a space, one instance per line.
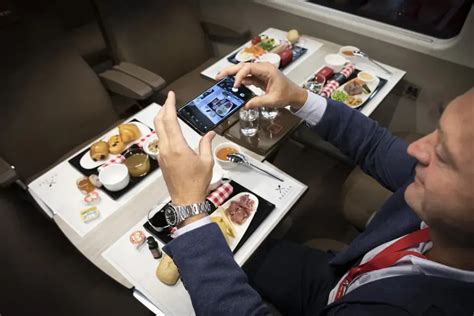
x=256 y=40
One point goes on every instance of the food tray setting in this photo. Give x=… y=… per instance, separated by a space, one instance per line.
x=93 y=162
x=351 y=86
x=236 y=223
x=263 y=48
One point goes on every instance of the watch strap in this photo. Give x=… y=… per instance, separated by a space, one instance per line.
x=186 y=211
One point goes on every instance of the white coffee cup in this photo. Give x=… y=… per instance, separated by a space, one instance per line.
x=114 y=177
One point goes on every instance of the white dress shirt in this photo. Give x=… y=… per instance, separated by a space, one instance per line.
x=407 y=265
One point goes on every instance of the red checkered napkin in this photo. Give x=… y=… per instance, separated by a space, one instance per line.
x=142 y=140
x=117 y=159
x=219 y=195
x=333 y=84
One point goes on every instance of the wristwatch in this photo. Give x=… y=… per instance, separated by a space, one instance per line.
x=176 y=214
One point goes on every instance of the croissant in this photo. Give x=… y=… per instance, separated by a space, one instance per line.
x=99 y=150
x=128 y=132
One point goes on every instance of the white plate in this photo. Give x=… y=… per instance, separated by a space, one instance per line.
x=86 y=160
x=239 y=229
x=364 y=96
x=244 y=57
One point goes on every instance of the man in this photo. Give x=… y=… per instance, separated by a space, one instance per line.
x=397 y=266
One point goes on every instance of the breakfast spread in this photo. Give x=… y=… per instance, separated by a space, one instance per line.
x=116 y=144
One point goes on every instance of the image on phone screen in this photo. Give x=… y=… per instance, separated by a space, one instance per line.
x=214 y=105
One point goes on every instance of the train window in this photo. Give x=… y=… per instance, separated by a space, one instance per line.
x=437 y=18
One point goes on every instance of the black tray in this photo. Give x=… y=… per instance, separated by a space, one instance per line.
x=382 y=83
x=76 y=163
x=264 y=208
x=298 y=51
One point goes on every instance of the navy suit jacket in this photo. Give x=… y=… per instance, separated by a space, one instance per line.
x=218 y=286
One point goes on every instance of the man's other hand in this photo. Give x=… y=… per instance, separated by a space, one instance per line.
x=279 y=90
x=187 y=174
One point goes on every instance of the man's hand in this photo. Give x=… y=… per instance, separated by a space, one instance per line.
x=187 y=174
x=280 y=91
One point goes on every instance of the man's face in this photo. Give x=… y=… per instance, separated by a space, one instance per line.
x=443 y=191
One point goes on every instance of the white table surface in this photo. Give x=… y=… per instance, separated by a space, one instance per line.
x=62 y=201
x=138 y=266
x=57 y=191
x=313 y=60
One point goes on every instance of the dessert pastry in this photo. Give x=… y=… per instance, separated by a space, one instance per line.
x=116 y=145
x=129 y=132
x=99 y=150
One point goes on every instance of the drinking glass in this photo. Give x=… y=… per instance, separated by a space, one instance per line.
x=137 y=162
x=249 y=121
x=269 y=113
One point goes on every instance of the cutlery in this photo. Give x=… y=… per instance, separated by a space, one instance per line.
x=241 y=159
x=364 y=55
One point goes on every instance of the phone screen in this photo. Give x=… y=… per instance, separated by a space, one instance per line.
x=214 y=105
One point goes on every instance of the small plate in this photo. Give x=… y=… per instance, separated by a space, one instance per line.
x=363 y=96
x=86 y=160
x=239 y=229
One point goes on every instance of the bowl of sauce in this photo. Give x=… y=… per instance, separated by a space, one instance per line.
x=347 y=52
x=222 y=150
x=366 y=76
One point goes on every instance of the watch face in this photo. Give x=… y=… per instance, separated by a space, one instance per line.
x=171 y=216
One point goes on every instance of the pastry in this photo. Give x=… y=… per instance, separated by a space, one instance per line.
x=99 y=150
x=116 y=145
x=129 y=132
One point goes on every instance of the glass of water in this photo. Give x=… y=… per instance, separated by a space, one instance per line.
x=269 y=113
x=249 y=121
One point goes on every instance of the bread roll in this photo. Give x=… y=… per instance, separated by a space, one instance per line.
x=167 y=272
x=129 y=132
x=116 y=145
x=293 y=36
x=99 y=150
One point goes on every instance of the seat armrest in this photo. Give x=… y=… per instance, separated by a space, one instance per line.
x=155 y=81
x=222 y=33
x=123 y=84
x=8 y=173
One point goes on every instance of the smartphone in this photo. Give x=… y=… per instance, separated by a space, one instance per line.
x=215 y=105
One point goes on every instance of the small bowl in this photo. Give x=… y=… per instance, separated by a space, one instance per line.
x=345 y=50
x=225 y=164
x=335 y=61
x=147 y=143
x=271 y=58
x=114 y=177
x=366 y=76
